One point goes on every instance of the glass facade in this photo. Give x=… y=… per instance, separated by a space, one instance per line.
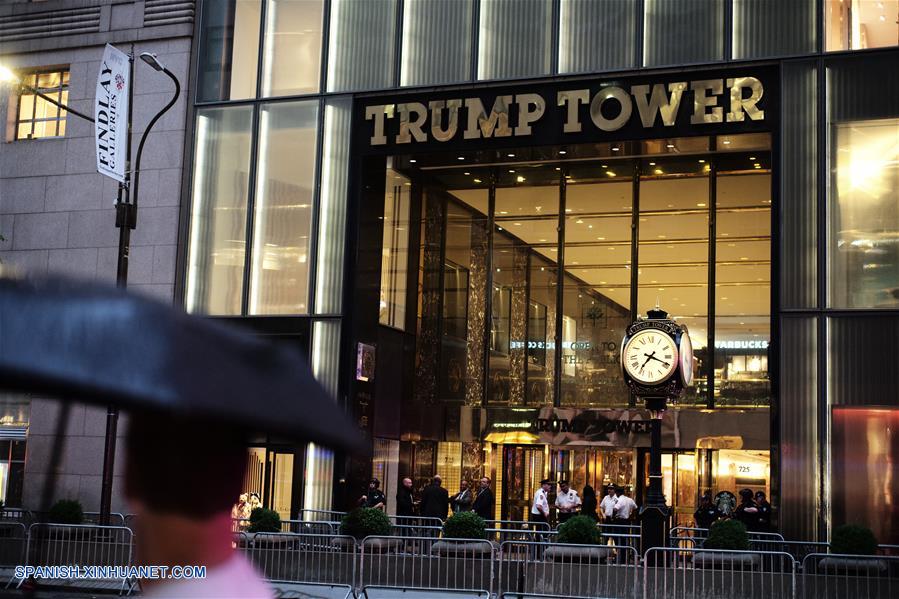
x=512 y=296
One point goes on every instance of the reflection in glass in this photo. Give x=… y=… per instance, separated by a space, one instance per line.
x=292 y=49
x=860 y=24
x=229 y=50
x=773 y=27
x=596 y=35
x=283 y=212
x=515 y=38
x=395 y=250
x=216 y=250
x=864 y=215
x=361 y=48
x=743 y=288
x=683 y=31
x=436 y=42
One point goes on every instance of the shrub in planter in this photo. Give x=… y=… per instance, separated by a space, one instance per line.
x=464 y=525
x=580 y=530
x=66 y=511
x=727 y=534
x=854 y=540
x=365 y=522
x=263 y=520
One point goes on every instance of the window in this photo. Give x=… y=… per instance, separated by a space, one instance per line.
x=395 y=254
x=36 y=117
x=860 y=24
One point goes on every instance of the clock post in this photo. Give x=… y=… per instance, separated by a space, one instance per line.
x=657 y=364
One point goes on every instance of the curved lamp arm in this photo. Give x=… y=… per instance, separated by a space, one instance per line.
x=140 y=148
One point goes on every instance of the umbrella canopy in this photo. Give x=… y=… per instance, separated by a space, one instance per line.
x=101 y=345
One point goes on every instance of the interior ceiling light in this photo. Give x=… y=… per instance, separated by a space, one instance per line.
x=511 y=155
x=461 y=157
x=413 y=161
x=562 y=152
x=670 y=146
x=520 y=179
x=467 y=173
x=726 y=142
x=652 y=164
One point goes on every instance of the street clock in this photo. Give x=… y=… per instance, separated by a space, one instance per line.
x=657 y=356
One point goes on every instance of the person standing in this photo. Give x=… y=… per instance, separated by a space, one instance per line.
x=625 y=508
x=607 y=506
x=708 y=512
x=405 y=503
x=374 y=497
x=747 y=512
x=435 y=500
x=764 y=511
x=567 y=501
x=483 y=501
x=540 y=505
x=589 y=506
x=461 y=501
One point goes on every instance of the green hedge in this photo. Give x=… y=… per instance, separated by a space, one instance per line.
x=365 y=522
x=464 y=525
x=727 y=534
x=853 y=539
x=579 y=530
x=263 y=520
x=66 y=511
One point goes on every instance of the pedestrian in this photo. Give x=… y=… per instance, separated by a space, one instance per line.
x=461 y=501
x=708 y=512
x=607 y=506
x=625 y=508
x=540 y=505
x=405 y=503
x=764 y=511
x=588 y=508
x=374 y=497
x=483 y=501
x=435 y=500
x=747 y=512
x=567 y=501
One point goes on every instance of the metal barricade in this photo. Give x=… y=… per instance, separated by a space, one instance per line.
x=830 y=575
x=416 y=521
x=674 y=573
x=80 y=545
x=517 y=525
x=426 y=563
x=297 y=557
x=381 y=592
x=321 y=515
x=541 y=569
x=411 y=532
x=310 y=527
x=130 y=521
x=798 y=549
x=888 y=550
x=13 y=539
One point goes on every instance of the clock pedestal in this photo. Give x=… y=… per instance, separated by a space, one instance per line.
x=654 y=515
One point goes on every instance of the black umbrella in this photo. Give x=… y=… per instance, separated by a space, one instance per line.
x=100 y=345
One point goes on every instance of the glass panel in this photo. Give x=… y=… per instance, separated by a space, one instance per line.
x=865 y=454
x=674 y=253
x=283 y=213
x=515 y=38
x=332 y=206
x=669 y=23
x=395 y=250
x=464 y=304
x=743 y=289
x=229 y=49
x=596 y=35
x=798 y=407
x=860 y=24
x=436 y=41
x=864 y=235
x=215 y=268
x=361 y=50
x=799 y=187
x=282 y=483
x=318 y=478
x=326 y=354
x=524 y=286
x=596 y=304
x=862 y=358
x=773 y=27
x=293 y=43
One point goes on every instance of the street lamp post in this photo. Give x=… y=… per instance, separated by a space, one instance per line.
x=126 y=220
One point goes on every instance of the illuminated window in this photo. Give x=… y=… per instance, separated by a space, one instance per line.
x=860 y=24
x=36 y=117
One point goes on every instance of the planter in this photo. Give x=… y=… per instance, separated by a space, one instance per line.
x=265 y=540
x=585 y=554
x=383 y=545
x=727 y=561
x=859 y=566
x=462 y=548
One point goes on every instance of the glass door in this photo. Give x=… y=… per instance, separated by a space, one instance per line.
x=523 y=469
x=679 y=484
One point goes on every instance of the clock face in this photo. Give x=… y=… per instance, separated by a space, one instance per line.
x=650 y=357
x=686 y=359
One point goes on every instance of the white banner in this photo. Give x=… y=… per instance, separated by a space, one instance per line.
x=111 y=113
